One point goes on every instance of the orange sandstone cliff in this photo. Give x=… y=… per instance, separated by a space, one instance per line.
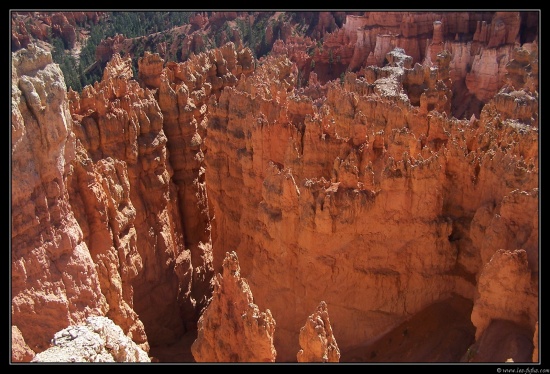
x=365 y=191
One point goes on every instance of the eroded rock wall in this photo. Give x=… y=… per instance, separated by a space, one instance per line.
x=360 y=199
x=127 y=205
x=183 y=92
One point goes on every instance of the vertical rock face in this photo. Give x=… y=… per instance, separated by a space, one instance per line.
x=316 y=338
x=97 y=340
x=54 y=279
x=232 y=328
x=184 y=92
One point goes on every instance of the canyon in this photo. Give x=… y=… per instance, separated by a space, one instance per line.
x=366 y=193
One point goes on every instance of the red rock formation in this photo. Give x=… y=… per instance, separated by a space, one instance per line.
x=364 y=191
x=184 y=91
x=62 y=27
x=436 y=45
x=198 y=21
x=150 y=67
x=316 y=338
x=108 y=47
x=54 y=280
x=522 y=69
x=232 y=328
x=487 y=72
x=362 y=40
x=477 y=68
x=492 y=48
x=504 y=28
x=297 y=49
x=42 y=24
x=19 y=36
